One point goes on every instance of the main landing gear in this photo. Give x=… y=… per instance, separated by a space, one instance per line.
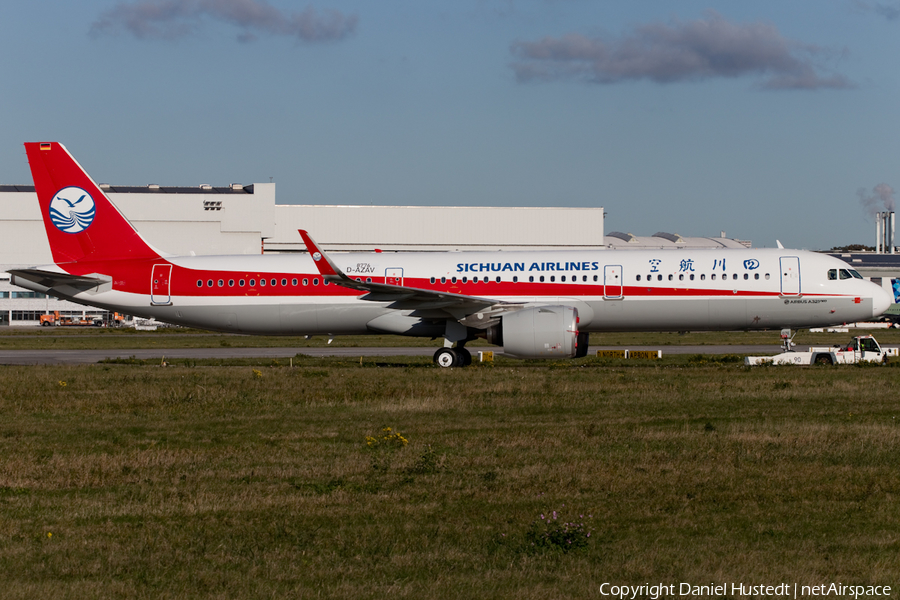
x=452 y=357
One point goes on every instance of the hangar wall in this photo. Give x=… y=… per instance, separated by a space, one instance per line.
x=241 y=219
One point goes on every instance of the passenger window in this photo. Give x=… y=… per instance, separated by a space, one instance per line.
x=274 y=282
x=453 y=280
x=315 y=281
x=305 y=281
x=252 y=283
x=284 y=282
x=262 y=282
x=584 y=277
x=443 y=280
x=671 y=277
x=515 y=279
x=531 y=278
x=692 y=276
x=746 y=276
x=659 y=277
x=498 y=280
x=231 y=283
x=199 y=283
x=595 y=278
x=553 y=278
x=681 y=277
x=703 y=276
x=209 y=283
x=221 y=283
x=242 y=283
x=432 y=280
x=713 y=277
x=638 y=277
x=466 y=280
x=767 y=275
x=542 y=279
x=368 y=280
x=756 y=276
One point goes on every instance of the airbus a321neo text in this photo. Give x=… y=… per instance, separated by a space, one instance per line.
x=540 y=304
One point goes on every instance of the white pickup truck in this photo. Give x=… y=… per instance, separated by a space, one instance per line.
x=863 y=348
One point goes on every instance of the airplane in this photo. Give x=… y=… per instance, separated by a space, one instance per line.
x=535 y=304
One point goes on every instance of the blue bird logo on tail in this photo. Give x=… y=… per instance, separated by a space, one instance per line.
x=72 y=210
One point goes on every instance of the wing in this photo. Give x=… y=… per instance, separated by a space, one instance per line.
x=457 y=306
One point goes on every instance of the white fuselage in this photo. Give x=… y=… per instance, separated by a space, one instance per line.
x=630 y=290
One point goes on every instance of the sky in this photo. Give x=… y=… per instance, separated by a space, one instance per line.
x=769 y=120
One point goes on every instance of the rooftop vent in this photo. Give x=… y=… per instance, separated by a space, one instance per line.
x=672 y=237
x=628 y=237
x=205 y=186
x=237 y=186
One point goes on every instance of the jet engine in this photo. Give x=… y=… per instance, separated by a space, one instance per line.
x=538 y=332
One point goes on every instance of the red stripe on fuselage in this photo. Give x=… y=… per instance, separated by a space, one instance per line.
x=134 y=276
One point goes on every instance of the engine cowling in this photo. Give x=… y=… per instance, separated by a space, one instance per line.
x=538 y=332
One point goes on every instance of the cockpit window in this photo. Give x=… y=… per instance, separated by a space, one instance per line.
x=845 y=274
x=832 y=274
x=855 y=274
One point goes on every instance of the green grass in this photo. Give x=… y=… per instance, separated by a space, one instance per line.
x=89 y=337
x=250 y=481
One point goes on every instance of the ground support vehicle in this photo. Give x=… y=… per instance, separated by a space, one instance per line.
x=863 y=348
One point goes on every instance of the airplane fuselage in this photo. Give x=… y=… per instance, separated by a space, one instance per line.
x=627 y=290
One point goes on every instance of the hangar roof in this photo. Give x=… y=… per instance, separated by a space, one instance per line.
x=661 y=239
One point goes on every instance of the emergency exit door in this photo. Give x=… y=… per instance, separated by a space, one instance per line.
x=612 y=282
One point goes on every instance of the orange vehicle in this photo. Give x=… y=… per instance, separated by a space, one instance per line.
x=55 y=318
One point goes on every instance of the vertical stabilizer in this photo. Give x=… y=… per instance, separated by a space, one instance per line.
x=82 y=223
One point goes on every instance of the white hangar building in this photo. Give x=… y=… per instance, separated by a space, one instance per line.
x=245 y=219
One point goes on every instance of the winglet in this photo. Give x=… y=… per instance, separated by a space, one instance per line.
x=323 y=263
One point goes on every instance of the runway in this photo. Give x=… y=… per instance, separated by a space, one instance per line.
x=82 y=357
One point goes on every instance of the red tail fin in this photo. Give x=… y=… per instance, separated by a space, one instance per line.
x=81 y=222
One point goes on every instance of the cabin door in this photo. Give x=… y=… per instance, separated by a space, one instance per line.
x=790 y=276
x=612 y=282
x=160 y=291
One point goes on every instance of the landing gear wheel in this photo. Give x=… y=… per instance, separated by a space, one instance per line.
x=465 y=357
x=446 y=358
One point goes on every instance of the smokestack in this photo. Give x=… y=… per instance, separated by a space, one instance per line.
x=885 y=231
x=878 y=236
x=891 y=238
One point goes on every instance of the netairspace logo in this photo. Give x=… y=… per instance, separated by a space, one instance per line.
x=781 y=590
x=72 y=210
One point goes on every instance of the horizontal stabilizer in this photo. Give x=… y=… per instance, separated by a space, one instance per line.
x=53 y=279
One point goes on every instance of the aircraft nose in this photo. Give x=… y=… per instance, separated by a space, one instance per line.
x=881 y=301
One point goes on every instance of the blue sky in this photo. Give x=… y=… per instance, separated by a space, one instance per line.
x=768 y=120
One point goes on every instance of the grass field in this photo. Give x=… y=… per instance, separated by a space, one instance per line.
x=248 y=481
x=58 y=338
